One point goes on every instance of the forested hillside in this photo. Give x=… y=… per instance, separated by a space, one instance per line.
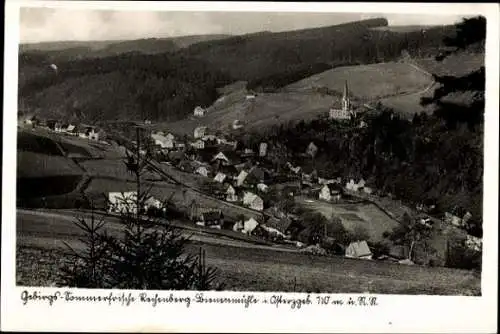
x=167 y=86
x=437 y=158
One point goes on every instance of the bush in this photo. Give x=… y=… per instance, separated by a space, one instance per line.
x=462 y=257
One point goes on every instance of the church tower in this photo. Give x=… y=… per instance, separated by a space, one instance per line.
x=346 y=102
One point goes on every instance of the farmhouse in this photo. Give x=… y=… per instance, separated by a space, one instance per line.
x=241 y=178
x=198 y=144
x=222 y=158
x=125 y=202
x=262 y=187
x=262 y=150
x=163 y=141
x=202 y=170
x=220 y=177
x=359 y=250
x=249 y=226
x=231 y=194
x=237 y=124
x=199 y=132
x=211 y=218
x=312 y=149
x=474 y=243
x=199 y=111
x=253 y=201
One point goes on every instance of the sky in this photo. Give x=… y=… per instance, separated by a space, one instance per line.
x=58 y=24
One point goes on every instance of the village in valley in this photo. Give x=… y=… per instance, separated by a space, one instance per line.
x=246 y=177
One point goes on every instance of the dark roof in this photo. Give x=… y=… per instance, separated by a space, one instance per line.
x=212 y=215
x=281 y=225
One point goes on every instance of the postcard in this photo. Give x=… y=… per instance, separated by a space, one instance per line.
x=243 y=167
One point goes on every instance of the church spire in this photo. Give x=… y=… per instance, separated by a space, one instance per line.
x=346 y=91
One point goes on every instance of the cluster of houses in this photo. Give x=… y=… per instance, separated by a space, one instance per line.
x=80 y=130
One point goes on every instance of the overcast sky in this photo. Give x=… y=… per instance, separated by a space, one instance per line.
x=46 y=24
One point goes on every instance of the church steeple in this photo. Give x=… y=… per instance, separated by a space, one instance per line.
x=346 y=102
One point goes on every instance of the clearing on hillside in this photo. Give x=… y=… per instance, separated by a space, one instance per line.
x=368 y=82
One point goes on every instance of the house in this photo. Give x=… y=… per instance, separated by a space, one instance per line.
x=352 y=186
x=241 y=178
x=358 y=250
x=198 y=144
x=152 y=203
x=312 y=149
x=325 y=193
x=262 y=187
x=59 y=127
x=262 y=149
x=249 y=225
x=202 y=170
x=238 y=226
x=199 y=111
x=220 y=177
x=199 y=132
x=250 y=97
x=231 y=194
x=282 y=225
x=367 y=190
x=122 y=202
x=474 y=243
x=450 y=218
x=213 y=218
x=237 y=124
x=253 y=201
x=163 y=141
x=222 y=158
x=71 y=129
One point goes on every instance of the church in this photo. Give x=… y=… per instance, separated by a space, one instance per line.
x=347 y=111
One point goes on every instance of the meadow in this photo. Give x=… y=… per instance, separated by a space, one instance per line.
x=365 y=215
x=367 y=82
x=250 y=269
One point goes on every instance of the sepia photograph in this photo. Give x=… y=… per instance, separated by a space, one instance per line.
x=239 y=151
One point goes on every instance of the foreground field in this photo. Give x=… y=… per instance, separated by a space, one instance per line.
x=246 y=267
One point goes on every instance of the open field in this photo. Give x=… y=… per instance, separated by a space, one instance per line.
x=365 y=215
x=265 y=110
x=455 y=65
x=368 y=82
x=255 y=267
x=31 y=164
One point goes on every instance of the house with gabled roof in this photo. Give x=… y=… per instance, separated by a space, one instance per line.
x=359 y=250
x=240 y=180
x=200 y=131
x=312 y=149
x=220 y=177
x=249 y=226
x=231 y=194
x=253 y=201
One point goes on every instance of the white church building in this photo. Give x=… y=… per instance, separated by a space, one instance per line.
x=347 y=111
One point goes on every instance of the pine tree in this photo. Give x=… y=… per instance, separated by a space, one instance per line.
x=149 y=254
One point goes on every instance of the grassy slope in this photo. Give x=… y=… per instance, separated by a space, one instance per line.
x=459 y=64
x=368 y=82
x=299 y=101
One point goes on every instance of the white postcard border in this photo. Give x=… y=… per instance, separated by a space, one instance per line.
x=396 y=313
